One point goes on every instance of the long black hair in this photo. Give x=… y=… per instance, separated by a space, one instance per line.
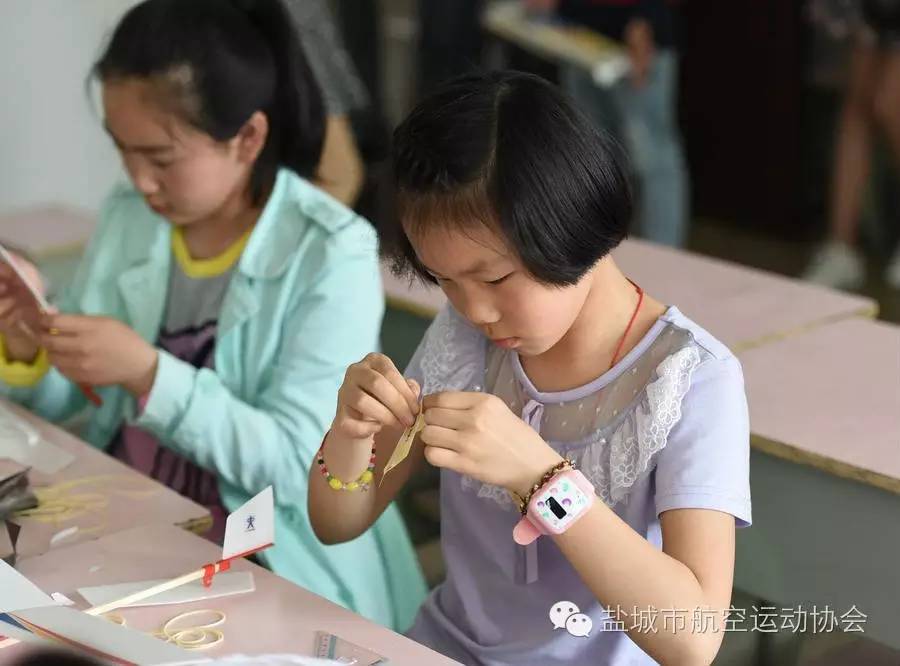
x=219 y=61
x=508 y=150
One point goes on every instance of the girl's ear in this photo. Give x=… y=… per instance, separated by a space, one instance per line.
x=251 y=138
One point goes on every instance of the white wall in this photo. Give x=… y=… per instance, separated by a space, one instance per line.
x=52 y=146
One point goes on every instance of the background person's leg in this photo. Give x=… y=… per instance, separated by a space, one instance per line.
x=838 y=263
x=853 y=147
x=886 y=109
x=650 y=127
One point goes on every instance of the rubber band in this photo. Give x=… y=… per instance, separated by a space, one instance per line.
x=199 y=637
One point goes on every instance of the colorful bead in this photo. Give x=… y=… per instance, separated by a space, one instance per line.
x=362 y=483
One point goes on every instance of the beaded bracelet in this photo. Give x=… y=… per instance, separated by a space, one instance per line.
x=362 y=483
x=549 y=474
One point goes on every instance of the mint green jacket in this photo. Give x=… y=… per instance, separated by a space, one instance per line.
x=305 y=301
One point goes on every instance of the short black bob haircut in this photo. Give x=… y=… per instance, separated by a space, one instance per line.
x=216 y=62
x=508 y=150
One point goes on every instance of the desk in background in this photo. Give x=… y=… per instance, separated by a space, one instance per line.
x=743 y=307
x=825 y=473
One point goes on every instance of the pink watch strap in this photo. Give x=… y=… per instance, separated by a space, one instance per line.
x=525 y=532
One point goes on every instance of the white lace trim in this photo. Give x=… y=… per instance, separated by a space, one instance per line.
x=439 y=356
x=615 y=463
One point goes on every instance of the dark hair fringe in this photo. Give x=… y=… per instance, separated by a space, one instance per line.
x=509 y=151
x=243 y=56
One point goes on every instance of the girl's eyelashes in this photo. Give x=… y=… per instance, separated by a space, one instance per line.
x=492 y=282
x=501 y=279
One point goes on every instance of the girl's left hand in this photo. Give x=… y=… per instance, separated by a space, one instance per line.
x=476 y=434
x=99 y=351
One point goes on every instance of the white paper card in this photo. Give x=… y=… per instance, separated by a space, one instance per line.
x=17 y=592
x=22 y=444
x=101 y=635
x=250 y=528
x=33 y=289
x=12 y=635
x=223 y=585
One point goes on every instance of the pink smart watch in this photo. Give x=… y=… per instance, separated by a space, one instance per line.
x=555 y=507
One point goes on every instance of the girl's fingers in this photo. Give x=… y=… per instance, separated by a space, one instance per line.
x=23 y=327
x=384 y=391
x=453 y=419
x=444 y=458
x=414 y=387
x=62 y=344
x=7 y=307
x=444 y=438
x=372 y=408
x=452 y=400
x=386 y=367
x=67 y=324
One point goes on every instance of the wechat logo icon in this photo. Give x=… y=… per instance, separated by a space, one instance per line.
x=566 y=615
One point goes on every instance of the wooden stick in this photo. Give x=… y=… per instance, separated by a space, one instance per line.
x=153 y=591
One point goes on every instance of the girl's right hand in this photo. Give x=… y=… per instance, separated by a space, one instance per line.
x=19 y=315
x=374 y=394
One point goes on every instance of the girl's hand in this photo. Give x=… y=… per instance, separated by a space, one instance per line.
x=19 y=314
x=374 y=394
x=99 y=351
x=476 y=434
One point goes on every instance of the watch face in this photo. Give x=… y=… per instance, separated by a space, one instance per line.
x=559 y=503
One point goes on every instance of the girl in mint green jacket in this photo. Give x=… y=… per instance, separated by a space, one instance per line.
x=222 y=295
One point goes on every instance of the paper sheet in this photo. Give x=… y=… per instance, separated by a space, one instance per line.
x=18 y=592
x=22 y=444
x=404 y=444
x=33 y=289
x=11 y=633
x=250 y=528
x=102 y=637
x=223 y=585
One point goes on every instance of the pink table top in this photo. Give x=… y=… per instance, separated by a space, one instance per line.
x=44 y=231
x=277 y=617
x=743 y=307
x=830 y=398
x=133 y=499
